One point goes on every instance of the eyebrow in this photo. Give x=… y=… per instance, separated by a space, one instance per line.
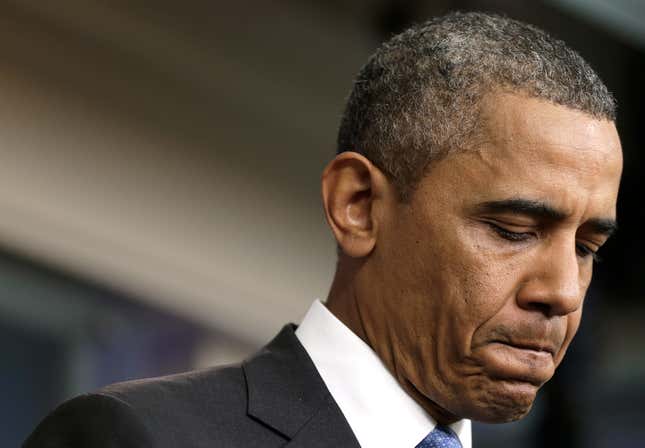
x=603 y=226
x=542 y=210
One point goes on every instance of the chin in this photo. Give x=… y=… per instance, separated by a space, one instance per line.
x=506 y=387
x=501 y=402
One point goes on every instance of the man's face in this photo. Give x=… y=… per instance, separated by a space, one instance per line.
x=475 y=288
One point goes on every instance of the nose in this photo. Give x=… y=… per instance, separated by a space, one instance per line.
x=555 y=285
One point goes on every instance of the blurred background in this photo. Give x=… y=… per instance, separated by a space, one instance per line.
x=159 y=194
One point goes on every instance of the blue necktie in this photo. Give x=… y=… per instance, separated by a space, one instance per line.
x=440 y=437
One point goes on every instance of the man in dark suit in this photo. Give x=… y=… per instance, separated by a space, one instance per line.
x=476 y=178
x=274 y=399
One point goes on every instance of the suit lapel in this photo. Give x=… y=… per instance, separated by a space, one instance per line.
x=287 y=394
x=326 y=428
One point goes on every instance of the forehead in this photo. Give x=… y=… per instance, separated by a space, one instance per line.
x=513 y=118
x=537 y=150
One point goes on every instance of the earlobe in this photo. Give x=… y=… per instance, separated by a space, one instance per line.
x=350 y=188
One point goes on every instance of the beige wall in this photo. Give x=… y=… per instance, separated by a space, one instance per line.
x=174 y=153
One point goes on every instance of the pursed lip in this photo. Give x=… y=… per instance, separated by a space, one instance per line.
x=537 y=346
x=525 y=360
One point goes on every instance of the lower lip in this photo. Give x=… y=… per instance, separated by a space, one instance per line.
x=519 y=363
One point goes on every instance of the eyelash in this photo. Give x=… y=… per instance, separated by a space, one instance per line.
x=583 y=251
x=586 y=252
x=508 y=235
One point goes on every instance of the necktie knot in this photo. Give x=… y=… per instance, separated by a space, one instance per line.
x=440 y=437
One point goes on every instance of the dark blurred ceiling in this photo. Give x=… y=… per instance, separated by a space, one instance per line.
x=623 y=18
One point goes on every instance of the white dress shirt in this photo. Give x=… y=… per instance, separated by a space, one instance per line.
x=377 y=408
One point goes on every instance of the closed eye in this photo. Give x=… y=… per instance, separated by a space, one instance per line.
x=585 y=251
x=509 y=234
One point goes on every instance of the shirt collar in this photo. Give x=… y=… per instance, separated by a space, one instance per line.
x=377 y=408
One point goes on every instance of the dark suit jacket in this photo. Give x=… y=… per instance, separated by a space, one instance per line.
x=274 y=399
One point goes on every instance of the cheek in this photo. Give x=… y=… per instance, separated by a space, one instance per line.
x=482 y=283
x=454 y=278
x=441 y=283
x=573 y=323
x=468 y=289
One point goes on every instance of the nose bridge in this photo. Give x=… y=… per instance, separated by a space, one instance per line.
x=556 y=284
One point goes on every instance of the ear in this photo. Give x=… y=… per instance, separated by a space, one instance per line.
x=352 y=189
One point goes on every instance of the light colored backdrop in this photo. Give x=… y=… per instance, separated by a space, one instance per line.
x=174 y=152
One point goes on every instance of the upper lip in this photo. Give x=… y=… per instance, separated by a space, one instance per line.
x=539 y=346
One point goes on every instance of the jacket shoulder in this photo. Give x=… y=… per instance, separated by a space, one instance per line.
x=184 y=392
x=91 y=420
x=197 y=409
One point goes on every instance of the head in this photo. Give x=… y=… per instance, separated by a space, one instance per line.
x=477 y=176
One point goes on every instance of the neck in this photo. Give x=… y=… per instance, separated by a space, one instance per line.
x=342 y=302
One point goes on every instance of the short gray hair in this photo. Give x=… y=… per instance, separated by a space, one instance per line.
x=418 y=96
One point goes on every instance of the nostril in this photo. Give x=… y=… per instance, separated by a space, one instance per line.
x=542 y=307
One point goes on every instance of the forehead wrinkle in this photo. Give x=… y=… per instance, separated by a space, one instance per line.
x=589 y=161
x=537 y=185
x=512 y=156
x=506 y=116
